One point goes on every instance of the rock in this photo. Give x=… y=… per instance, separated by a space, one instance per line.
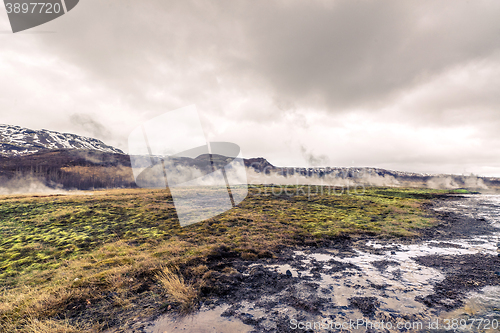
x=288 y=273
x=393 y=253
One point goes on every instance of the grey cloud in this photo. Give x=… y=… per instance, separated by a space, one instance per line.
x=90 y=125
x=314 y=159
x=175 y=48
x=336 y=55
x=358 y=52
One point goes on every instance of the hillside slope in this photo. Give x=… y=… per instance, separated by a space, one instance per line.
x=16 y=141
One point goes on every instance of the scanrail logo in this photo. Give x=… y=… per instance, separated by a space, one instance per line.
x=205 y=178
x=26 y=14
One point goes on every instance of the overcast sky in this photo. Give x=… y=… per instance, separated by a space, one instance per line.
x=405 y=85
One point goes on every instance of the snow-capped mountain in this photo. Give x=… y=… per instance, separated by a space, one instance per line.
x=16 y=141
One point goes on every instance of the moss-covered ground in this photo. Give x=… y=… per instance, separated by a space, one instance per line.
x=62 y=256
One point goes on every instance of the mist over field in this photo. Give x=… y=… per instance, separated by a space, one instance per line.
x=26 y=185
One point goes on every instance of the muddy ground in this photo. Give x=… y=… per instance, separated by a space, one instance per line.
x=351 y=278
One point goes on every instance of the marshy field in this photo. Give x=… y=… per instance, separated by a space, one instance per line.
x=116 y=260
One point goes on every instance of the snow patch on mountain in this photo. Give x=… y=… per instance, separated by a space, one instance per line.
x=16 y=141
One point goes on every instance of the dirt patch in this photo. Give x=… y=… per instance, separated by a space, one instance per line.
x=383 y=264
x=446 y=245
x=463 y=274
x=454 y=224
x=367 y=305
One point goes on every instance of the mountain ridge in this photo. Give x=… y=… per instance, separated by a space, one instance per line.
x=19 y=141
x=79 y=162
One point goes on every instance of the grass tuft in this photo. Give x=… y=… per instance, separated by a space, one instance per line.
x=177 y=289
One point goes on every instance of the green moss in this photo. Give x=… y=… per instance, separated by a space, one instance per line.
x=463 y=191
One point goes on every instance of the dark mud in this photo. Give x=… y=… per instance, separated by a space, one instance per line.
x=367 y=305
x=464 y=273
x=454 y=224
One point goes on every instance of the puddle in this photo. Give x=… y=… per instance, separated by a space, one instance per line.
x=204 y=321
x=282 y=269
x=396 y=282
x=481 y=310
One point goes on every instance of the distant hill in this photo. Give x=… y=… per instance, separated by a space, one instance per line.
x=75 y=162
x=69 y=169
x=93 y=169
x=17 y=141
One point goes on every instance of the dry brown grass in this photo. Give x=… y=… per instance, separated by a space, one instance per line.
x=177 y=289
x=51 y=326
x=34 y=325
x=112 y=268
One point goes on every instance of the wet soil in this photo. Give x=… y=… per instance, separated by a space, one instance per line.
x=464 y=273
x=359 y=278
x=456 y=224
